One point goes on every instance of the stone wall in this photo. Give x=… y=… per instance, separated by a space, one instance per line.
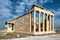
x=22 y=24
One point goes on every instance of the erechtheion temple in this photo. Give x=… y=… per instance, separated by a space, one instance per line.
x=36 y=21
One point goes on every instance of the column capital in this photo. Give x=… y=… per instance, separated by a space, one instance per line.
x=34 y=10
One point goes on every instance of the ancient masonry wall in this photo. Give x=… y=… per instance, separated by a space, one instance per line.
x=22 y=24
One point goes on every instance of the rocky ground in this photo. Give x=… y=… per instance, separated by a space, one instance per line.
x=45 y=37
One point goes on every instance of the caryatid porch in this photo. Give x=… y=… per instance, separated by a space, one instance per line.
x=42 y=24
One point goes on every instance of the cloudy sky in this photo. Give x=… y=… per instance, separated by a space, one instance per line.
x=10 y=9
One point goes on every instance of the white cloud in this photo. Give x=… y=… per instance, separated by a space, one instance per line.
x=5 y=12
x=29 y=2
x=21 y=7
x=4 y=8
x=5 y=3
x=46 y=1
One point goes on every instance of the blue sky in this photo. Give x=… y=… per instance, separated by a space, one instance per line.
x=10 y=9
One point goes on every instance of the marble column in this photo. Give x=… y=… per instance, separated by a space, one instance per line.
x=43 y=21
x=39 y=22
x=50 y=23
x=47 y=22
x=34 y=21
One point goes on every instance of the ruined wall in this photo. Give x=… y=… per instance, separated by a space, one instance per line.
x=22 y=24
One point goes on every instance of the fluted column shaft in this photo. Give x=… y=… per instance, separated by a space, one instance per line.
x=34 y=21
x=39 y=22
x=50 y=23
x=47 y=22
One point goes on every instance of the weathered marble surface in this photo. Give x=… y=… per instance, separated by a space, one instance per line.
x=46 y=37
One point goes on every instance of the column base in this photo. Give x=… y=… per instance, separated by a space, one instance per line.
x=43 y=33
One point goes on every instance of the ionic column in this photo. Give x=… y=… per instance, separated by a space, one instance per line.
x=34 y=21
x=43 y=21
x=39 y=22
x=47 y=22
x=50 y=23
